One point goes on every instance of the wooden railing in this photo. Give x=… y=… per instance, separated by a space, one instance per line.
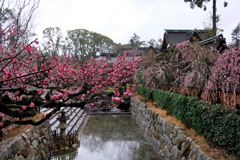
x=64 y=144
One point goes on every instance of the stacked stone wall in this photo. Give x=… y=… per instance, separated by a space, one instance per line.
x=170 y=142
x=30 y=145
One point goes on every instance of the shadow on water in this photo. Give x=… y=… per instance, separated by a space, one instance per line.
x=112 y=137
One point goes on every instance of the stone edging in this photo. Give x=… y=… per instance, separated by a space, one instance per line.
x=168 y=140
x=33 y=144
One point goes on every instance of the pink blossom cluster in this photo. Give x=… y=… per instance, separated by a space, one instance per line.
x=117 y=99
x=116 y=92
x=128 y=92
x=225 y=74
x=31 y=106
x=1 y=114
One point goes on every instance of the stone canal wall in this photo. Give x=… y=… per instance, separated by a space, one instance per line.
x=31 y=145
x=170 y=142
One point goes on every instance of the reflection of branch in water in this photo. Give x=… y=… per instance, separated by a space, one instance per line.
x=117 y=137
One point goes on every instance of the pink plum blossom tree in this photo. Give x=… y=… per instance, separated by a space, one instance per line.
x=225 y=76
x=30 y=81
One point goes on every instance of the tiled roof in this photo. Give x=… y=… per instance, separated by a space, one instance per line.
x=178 y=36
x=175 y=36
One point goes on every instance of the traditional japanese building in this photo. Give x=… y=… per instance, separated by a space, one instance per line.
x=172 y=36
x=218 y=42
x=132 y=53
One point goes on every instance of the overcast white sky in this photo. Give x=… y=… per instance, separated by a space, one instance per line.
x=120 y=19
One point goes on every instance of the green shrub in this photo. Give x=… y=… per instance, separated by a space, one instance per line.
x=217 y=123
x=144 y=91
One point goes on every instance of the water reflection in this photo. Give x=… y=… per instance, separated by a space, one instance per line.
x=112 y=137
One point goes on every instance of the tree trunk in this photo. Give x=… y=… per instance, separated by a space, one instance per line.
x=214 y=19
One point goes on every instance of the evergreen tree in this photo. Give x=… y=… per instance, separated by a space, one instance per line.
x=201 y=4
x=135 y=41
x=236 y=36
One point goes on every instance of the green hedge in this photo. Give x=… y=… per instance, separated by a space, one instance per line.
x=217 y=123
x=144 y=91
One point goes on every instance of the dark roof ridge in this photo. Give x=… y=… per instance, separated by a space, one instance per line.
x=183 y=30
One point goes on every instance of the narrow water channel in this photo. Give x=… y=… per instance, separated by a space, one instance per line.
x=112 y=137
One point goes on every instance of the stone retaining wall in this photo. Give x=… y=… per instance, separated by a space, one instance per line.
x=169 y=140
x=31 y=145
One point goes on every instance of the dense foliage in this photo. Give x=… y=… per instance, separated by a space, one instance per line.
x=217 y=123
x=80 y=43
x=225 y=76
x=189 y=65
x=186 y=66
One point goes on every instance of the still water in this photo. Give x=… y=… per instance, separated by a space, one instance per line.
x=112 y=137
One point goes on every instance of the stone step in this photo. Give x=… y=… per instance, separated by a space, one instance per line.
x=53 y=119
x=76 y=121
x=46 y=110
x=55 y=122
x=76 y=116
